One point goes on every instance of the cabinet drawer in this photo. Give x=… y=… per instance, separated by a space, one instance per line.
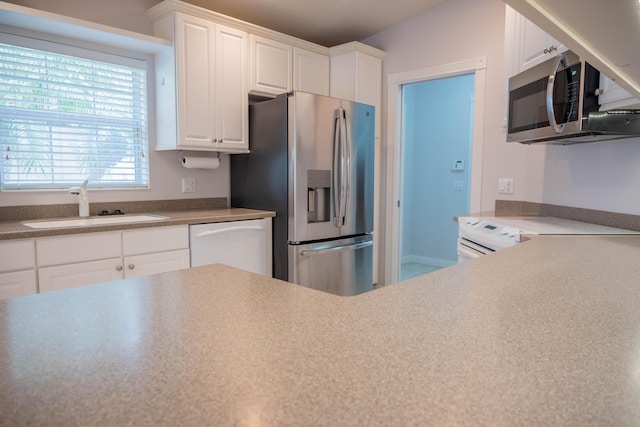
x=17 y=255
x=78 y=248
x=18 y=284
x=161 y=262
x=150 y=240
x=80 y=274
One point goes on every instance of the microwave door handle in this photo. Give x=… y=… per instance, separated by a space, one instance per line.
x=560 y=61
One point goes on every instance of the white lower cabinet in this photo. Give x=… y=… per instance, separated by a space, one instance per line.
x=17 y=269
x=161 y=262
x=67 y=276
x=18 y=284
x=85 y=259
x=61 y=262
x=149 y=251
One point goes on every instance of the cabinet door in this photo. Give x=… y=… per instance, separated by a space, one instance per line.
x=156 y=239
x=195 y=49
x=78 y=248
x=17 y=255
x=80 y=274
x=530 y=45
x=160 y=262
x=17 y=284
x=232 y=110
x=614 y=96
x=271 y=64
x=310 y=72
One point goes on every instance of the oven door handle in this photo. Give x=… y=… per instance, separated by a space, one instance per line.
x=561 y=60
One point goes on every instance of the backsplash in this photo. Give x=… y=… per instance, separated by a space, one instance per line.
x=20 y=213
x=610 y=219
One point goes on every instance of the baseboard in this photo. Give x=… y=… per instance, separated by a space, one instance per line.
x=437 y=262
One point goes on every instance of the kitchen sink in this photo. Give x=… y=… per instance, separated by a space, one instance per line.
x=88 y=222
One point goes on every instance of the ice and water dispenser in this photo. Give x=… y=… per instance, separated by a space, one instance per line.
x=318 y=195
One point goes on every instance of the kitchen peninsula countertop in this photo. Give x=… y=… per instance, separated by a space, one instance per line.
x=543 y=333
x=17 y=230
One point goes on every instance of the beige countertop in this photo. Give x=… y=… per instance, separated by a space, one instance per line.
x=17 y=230
x=544 y=333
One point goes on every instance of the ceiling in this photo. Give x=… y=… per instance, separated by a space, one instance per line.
x=325 y=22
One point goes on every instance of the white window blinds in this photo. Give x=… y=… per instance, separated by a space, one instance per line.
x=66 y=118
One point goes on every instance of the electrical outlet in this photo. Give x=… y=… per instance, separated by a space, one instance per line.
x=505 y=185
x=458 y=185
x=188 y=185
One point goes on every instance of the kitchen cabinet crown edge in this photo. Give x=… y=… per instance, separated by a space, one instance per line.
x=168 y=6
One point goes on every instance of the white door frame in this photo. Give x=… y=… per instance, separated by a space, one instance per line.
x=395 y=82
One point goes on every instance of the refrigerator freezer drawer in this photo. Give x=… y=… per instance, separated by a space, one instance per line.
x=342 y=267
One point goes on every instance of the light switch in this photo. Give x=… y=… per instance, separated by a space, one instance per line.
x=505 y=185
x=458 y=185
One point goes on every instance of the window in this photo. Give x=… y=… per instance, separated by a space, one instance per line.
x=68 y=114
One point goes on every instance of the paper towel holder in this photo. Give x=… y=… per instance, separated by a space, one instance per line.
x=181 y=155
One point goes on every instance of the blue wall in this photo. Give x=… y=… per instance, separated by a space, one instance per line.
x=437 y=124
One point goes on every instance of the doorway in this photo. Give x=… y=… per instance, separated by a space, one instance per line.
x=437 y=119
x=431 y=181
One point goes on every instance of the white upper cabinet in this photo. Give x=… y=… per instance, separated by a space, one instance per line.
x=526 y=44
x=270 y=66
x=201 y=86
x=356 y=75
x=276 y=68
x=311 y=72
x=232 y=114
x=613 y=96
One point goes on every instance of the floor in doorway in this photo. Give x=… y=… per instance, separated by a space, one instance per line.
x=409 y=270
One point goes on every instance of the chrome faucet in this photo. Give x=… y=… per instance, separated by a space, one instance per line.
x=83 y=198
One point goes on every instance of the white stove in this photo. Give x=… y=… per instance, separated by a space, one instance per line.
x=479 y=236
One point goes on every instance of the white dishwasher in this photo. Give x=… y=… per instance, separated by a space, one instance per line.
x=241 y=244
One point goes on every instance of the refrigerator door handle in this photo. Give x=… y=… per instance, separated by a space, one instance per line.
x=346 y=153
x=340 y=167
x=339 y=248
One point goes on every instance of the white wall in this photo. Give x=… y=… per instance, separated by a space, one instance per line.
x=165 y=170
x=603 y=176
x=455 y=31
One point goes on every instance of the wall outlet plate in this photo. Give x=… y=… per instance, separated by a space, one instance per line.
x=188 y=185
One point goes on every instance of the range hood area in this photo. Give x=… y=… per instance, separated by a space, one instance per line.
x=601 y=35
x=604 y=33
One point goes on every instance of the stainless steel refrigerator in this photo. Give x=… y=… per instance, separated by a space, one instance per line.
x=312 y=162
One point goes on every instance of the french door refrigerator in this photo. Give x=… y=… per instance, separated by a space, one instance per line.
x=312 y=162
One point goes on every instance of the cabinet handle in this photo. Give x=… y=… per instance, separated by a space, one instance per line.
x=118 y=267
x=550 y=49
x=131 y=266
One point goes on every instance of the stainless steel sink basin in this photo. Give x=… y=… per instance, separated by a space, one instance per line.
x=97 y=220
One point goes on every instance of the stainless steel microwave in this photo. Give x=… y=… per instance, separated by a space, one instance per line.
x=557 y=102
